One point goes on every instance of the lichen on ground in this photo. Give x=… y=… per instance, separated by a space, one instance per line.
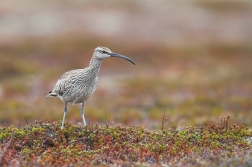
x=45 y=144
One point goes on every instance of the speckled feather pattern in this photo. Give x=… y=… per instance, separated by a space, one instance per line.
x=76 y=86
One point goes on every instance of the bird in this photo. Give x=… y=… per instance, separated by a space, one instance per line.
x=76 y=86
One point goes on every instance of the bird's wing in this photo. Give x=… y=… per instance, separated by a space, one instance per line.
x=65 y=81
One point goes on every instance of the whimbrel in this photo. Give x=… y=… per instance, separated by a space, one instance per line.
x=76 y=86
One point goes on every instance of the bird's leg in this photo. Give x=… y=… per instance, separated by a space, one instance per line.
x=82 y=113
x=65 y=111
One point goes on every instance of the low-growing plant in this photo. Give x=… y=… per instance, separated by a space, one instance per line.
x=45 y=144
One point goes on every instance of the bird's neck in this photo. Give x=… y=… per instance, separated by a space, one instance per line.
x=95 y=64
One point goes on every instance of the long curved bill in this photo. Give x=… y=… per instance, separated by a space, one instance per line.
x=121 y=56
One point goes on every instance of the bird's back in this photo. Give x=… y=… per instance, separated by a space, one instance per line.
x=75 y=86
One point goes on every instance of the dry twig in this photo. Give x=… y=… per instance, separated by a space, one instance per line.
x=163 y=121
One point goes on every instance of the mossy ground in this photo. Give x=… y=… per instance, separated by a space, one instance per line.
x=45 y=144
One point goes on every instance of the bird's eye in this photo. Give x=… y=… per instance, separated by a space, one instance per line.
x=104 y=52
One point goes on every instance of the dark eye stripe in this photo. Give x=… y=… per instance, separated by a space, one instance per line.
x=104 y=52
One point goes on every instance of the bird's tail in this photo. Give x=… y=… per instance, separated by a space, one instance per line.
x=52 y=94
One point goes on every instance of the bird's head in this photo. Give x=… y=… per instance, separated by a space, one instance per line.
x=103 y=52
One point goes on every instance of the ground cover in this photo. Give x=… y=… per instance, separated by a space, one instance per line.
x=45 y=144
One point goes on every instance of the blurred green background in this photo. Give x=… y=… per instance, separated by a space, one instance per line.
x=193 y=60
